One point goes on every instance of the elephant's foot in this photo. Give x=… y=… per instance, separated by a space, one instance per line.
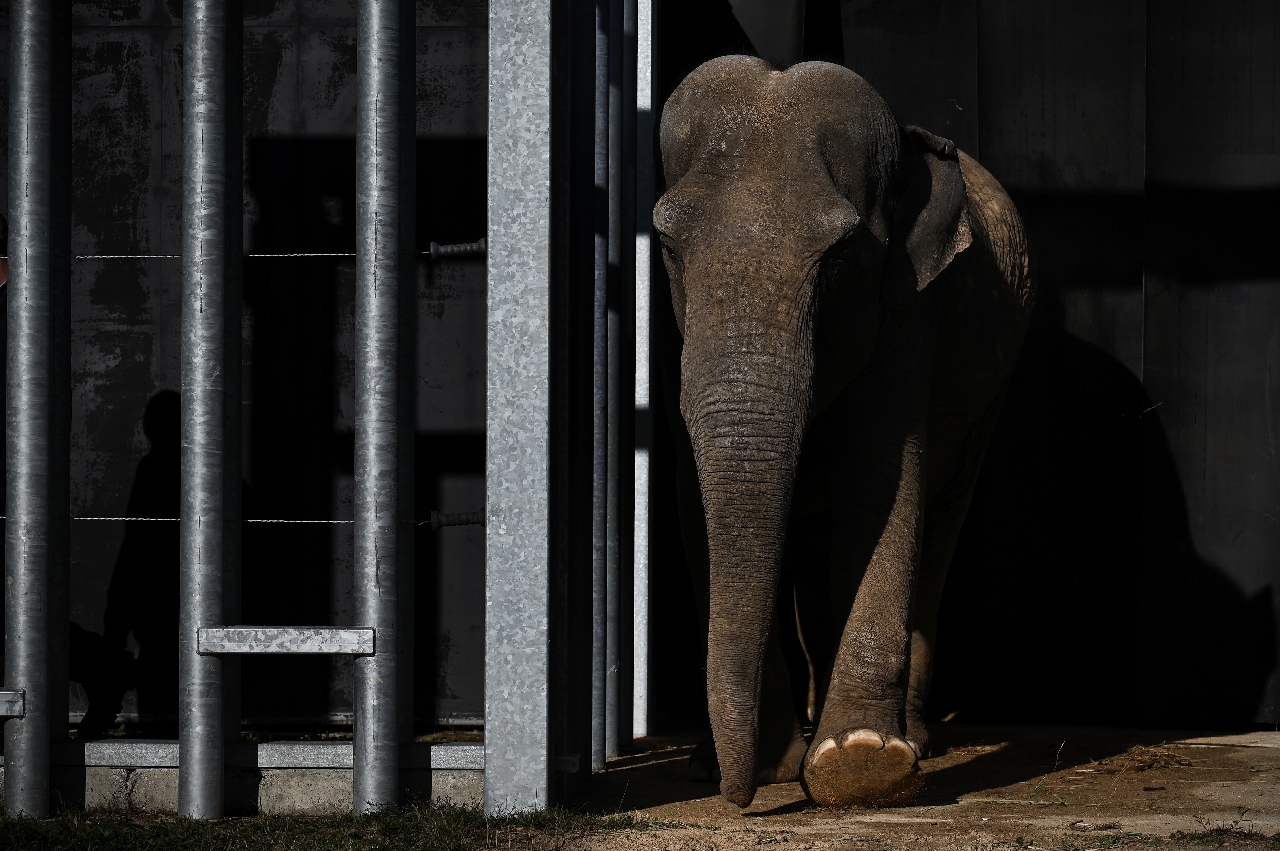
x=704 y=767
x=788 y=767
x=862 y=768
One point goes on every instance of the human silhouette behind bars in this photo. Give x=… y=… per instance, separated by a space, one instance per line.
x=143 y=595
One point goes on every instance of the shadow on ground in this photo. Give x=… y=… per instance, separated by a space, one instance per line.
x=974 y=763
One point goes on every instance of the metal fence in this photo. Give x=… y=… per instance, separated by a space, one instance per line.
x=539 y=597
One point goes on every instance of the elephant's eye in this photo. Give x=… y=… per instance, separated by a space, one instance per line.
x=669 y=251
x=837 y=257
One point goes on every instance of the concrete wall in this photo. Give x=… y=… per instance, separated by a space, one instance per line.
x=299 y=118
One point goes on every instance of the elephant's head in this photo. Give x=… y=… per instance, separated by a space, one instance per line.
x=798 y=216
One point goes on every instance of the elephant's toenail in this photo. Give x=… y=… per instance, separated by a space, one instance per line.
x=870 y=737
x=823 y=747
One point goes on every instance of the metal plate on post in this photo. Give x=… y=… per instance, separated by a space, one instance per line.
x=275 y=639
x=12 y=703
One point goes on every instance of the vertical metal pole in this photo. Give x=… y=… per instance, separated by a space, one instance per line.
x=626 y=371
x=645 y=185
x=613 y=439
x=210 y=454
x=600 y=398
x=381 y=39
x=517 y=739
x=32 y=406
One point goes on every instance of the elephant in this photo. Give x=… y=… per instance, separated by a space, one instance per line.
x=851 y=296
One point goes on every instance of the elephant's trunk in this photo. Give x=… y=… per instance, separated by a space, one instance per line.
x=746 y=405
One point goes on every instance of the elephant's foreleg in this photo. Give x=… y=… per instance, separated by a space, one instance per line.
x=956 y=464
x=941 y=530
x=860 y=755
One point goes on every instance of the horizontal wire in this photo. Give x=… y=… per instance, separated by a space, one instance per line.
x=468 y=250
x=179 y=256
x=175 y=520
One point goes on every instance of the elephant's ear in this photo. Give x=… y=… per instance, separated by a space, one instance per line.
x=930 y=211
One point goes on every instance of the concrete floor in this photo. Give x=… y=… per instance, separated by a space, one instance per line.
x=990 y=787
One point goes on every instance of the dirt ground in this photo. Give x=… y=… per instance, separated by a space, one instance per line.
x=990 y=787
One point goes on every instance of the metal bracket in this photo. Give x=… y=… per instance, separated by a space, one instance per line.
x=285 y=639
x=469 y=518
x=13 y=703
x=460 y=250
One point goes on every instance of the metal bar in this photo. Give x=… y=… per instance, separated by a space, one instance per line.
x=210 y=344
x=28 y=407
x=384 y=150
x=613 y=391
x=518 y=747
x=626 y=375
x=600 y=396
x=461 y=249
x=274 y=639
x=645 y=186
x=13 y=703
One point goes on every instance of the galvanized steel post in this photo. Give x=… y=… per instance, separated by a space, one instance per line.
x=517 y=741
x=210 y=499
x=385 y=42
x=36 y=433
x=645 y=183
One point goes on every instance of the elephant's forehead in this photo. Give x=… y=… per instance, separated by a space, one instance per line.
x=739 y=105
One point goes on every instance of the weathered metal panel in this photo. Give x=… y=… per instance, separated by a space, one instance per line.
x=451 y=78
x=1063 y=93
x=272 y=77
x=273 y=13
x=1214 y=76
x=459 y=606
x=453 y=13
x=1212 y=356
x=327 y=76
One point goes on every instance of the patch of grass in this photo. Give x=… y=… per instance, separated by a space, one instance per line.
x=447 y=828
x=1233 y=832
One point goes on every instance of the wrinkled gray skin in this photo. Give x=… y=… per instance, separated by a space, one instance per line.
x=851 y=297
